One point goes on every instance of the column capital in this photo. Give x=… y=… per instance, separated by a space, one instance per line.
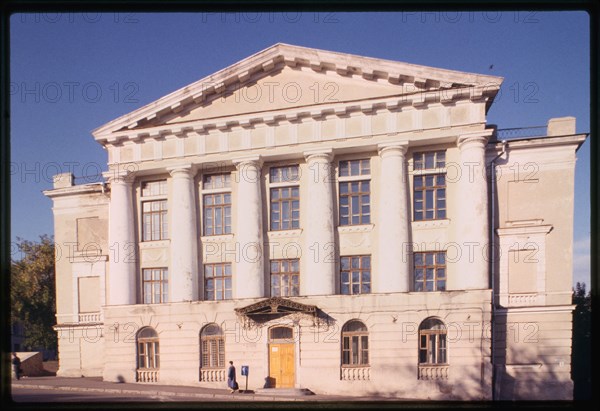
x=326 y=154
x=183 y=170
x=397 y=148
x=240 y=162
x=119 y=176
x=475 y=138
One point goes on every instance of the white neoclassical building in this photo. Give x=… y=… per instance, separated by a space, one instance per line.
x=334 y=222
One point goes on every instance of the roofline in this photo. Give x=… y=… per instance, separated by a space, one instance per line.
x=565 y=139
x=266 y=59
x=77 y=189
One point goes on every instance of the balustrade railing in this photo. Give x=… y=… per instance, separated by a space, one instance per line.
x=356 y=373
x=433 y=372
x=147 y=375
x=212 y=375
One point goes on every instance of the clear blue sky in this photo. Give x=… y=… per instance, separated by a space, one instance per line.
x=73 y=72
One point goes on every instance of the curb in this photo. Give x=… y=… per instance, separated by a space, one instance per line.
x=238 y=397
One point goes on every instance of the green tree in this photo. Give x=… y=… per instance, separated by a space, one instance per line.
x=581 y=350
x=33 y=300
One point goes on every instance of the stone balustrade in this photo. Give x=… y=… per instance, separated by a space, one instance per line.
x=433 y=372
x=212 y=374
x=147 y=375
x=356 y=373
x=89 y=317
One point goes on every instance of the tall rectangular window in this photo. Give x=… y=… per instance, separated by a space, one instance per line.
x=154 y=210
x=285 y=278
x=285 y=198
x=429 y=186
x=217 y=214
x=430 y=271
x=217 y=281
x=355 y=274
x=355 y=192
x=216 y=204
x=155 y=284
x=285 y=208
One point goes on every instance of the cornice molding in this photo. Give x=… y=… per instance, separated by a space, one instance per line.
x=422 y=85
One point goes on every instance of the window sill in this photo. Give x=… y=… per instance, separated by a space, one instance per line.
x=216 y=238
x=154 y=244
x=296 y=232
x=354 y=295
x=426 y=224
x=359 y=228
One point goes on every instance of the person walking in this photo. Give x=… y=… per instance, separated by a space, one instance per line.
x=231 y=381
x=16 y=362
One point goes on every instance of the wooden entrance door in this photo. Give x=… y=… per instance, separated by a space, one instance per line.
x=281 y=365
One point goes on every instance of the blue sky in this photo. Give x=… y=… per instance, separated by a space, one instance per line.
x=73 y=72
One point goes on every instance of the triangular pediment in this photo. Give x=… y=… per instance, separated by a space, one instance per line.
x=284 y=79
x=281 y=90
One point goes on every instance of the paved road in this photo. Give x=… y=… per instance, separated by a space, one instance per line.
x=29 y=395
x=94 y=389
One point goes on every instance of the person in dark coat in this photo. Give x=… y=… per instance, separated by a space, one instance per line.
x=231 y=382
x=16 y=363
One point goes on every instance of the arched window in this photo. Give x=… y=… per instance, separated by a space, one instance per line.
x=148 y=350
x=213 y=347
x=432 y=342
x=355 y=344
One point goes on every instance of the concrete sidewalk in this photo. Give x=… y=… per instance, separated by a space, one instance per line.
x=95 y=384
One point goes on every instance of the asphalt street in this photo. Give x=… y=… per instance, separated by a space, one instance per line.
x=29 y=395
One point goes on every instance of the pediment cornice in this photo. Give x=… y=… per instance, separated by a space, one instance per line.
x=420 y=85
x=315 y=112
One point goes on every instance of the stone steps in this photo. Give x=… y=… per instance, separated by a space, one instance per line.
x=284 y=391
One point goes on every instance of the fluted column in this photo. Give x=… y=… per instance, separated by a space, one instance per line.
x=393 y=272
x=121 y=240
x=249 y=273
x=472 y=219
x=183 y=273
x=318 y=277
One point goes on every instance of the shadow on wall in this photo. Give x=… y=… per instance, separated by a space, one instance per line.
x=523 y=374
x=464 y=384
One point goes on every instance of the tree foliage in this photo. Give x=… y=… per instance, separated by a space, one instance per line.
x=581 y=350
x=33 y=300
